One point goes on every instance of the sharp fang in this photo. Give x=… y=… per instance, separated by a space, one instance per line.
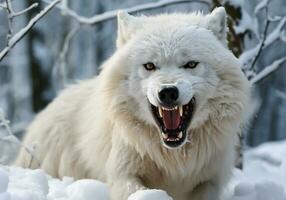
x=171 y=139
x=181 y=110
x=180 y=135
x=160 y=112
x=165 y=136
x=169 y=109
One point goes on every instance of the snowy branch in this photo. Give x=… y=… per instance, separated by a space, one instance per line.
x=64 y=53
x=10 y=18
x=112 y=14
x=66 y=11
x=13 y=40
x=268 y=70
x=262 y=43
x=249 y=58
x=16 y=14
x=12 y=14
x=281 y=94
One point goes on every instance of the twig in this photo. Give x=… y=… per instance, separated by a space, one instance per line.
x=112 y=14
x=249 y=58
x=64 y=7
x=3 y=6
x=263 y=40
x=12 y=14
x=281 y=94
x=248 y=55
x=64 y=52
x=103 y=17
x=16 y=14
x=9 y=11
x=5 y=123
x=267 y=71
x=18 y=36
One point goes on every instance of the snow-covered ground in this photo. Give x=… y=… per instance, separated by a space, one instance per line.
x=263 y=178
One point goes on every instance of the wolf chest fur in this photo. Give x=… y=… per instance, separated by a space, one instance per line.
x=163 y=113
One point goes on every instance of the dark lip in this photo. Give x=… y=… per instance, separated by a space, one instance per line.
x=186 y=120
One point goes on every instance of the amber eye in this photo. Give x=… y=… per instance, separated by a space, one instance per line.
x=149 y=66
x=191 y=64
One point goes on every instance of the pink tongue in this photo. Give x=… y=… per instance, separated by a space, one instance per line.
x=171 y=119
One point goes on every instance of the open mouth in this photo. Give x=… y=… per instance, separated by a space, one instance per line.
x=173 y=122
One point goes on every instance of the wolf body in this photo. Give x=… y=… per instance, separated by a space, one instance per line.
x=109 y=128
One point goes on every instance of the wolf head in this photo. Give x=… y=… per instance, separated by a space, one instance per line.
x=178 y=72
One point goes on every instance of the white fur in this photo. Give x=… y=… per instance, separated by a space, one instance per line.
x=103 y=128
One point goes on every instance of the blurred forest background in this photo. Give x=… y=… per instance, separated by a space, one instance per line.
x=72 y=40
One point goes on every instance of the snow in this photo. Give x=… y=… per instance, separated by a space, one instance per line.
x=263 y=178
x=4 y=181
x=261 y=6
x=112 y=14
x=19 y=35
x=25 y=184
x=276 y=33
x=264 y=174
x=150 y=195
x=268 y=70
x=87 y=189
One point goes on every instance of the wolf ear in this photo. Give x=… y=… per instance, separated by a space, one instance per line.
x=217 y=23
x=126 y=25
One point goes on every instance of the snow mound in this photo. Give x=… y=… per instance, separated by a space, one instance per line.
x=25 y=184
x=263 y=178
x=87 y=189
x=264 y=174
x=150 y=195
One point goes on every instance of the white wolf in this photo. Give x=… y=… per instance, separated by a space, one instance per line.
x=163 y=113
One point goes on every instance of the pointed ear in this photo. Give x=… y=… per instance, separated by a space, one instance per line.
x=216 y=22
x=126 y=26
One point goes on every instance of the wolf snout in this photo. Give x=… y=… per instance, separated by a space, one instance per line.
x=169 y=96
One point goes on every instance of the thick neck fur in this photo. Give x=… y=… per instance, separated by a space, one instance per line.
x=206 y=139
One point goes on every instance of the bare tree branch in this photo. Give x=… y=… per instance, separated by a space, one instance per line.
x=16 y=14
x=281 y=94
x=3 y=6
x=112 y=14
x=267 y=70
x=65 y=10
x=19 y=35
x=11 y=14
x=9 y=11
x=267 y=22
x=64 y=52
x=250 y=57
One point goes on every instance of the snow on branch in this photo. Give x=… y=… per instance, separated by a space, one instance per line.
x=13 y=40
x=16 y=14
x=13 y=139
x=249 y=58
x=281 y=94
x=64 y=53
x=81 y=20
x=112 y=14
x=263 y=4
x=263 y=41
x=268 y=70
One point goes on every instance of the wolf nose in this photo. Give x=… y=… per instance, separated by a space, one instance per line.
x=169 y=95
